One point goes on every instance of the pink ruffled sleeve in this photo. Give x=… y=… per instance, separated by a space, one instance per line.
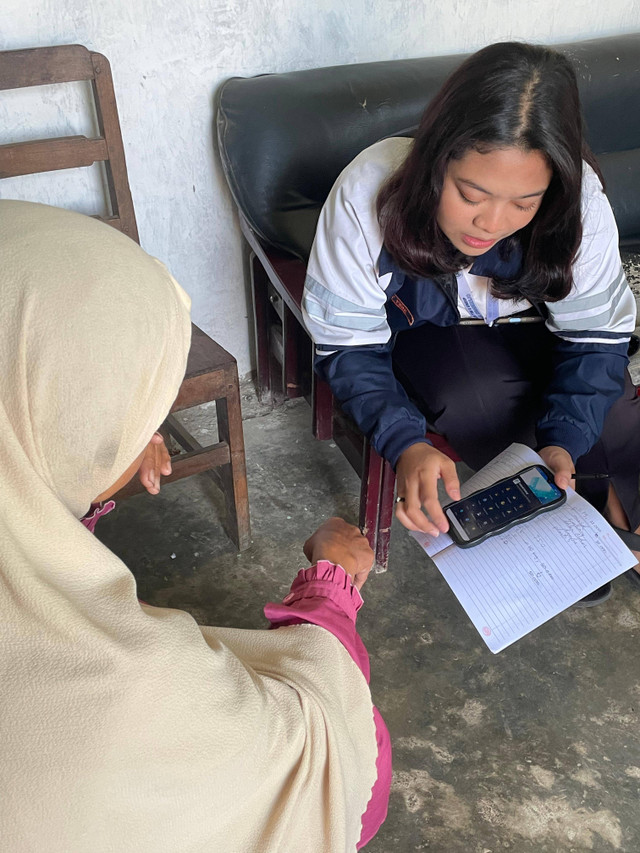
x=324 y=595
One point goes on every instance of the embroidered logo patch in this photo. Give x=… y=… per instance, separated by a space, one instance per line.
x=400 y=304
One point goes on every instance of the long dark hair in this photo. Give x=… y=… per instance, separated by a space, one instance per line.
x=505 y=95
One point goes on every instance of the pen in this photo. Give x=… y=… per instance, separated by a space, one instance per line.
x=590 y=476
x=500 y=321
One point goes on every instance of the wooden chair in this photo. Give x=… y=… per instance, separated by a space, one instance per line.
x=284 y=371
x=211 y=371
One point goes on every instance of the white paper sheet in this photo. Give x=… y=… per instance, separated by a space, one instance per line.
x=515 y=581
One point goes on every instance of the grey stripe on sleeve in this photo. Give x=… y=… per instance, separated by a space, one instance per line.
x=586 y=303
x=595 y=321
x=336 y=311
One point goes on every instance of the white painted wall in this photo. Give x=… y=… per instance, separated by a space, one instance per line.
x=168 y=57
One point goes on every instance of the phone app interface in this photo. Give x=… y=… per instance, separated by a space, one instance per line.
x=491 y=509
x=540 y=486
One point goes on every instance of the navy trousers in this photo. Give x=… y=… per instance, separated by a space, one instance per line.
x=482 y=388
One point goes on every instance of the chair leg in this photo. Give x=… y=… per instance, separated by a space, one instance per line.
x=321 y=409
x=385 y=517
x=261 y=323
x=234 y=475
x=291 y=380
x=370 y=485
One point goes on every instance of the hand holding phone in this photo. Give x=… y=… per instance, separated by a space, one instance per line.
x=558 y=460
x=508 y=502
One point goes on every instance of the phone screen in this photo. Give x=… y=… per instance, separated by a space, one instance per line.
x=507 y=501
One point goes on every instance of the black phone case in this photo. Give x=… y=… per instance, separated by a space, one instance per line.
x=464 y=543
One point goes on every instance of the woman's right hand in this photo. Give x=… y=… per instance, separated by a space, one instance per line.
x=417 y=473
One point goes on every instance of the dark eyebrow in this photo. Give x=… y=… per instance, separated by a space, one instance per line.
x=482 y=190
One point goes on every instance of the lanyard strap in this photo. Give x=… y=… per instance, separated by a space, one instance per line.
x=492 y=305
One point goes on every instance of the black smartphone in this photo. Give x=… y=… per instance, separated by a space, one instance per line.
x=503 y=505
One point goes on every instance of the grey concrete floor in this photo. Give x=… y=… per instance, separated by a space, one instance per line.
x=534 y=749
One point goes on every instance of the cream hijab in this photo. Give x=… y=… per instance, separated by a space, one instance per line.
x=126 y=727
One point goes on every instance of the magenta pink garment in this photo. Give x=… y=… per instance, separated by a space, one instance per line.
x=324 y=595
x=96 y=511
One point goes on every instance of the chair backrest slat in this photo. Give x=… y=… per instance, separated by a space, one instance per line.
x=40 y=66
x=48 y=155
x=65 y=64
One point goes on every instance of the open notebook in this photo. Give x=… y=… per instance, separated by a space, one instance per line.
x=515 y=581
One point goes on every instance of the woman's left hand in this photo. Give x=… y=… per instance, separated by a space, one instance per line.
x=558 y=460
x=344 y=545
x=156 y=461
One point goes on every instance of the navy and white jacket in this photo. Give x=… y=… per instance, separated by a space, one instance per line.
x=356 y=299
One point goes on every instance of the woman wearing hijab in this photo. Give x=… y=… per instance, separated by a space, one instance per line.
x=125 y=726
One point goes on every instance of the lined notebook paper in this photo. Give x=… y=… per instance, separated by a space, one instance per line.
x=515 y=581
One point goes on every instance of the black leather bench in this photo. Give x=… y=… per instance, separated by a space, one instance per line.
x=284 y=139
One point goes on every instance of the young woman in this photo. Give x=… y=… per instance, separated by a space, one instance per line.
x=125 y=726
x=432 y=261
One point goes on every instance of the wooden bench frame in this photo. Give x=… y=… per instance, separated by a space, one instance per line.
x=284 y=371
